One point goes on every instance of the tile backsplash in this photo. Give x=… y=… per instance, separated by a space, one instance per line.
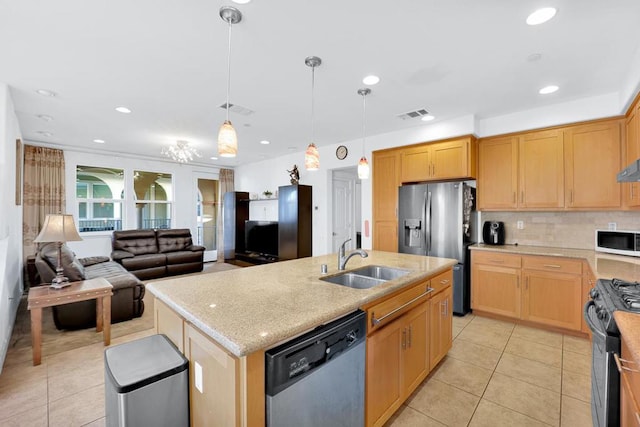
x=559 y=229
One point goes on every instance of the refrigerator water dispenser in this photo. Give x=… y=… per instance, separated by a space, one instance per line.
x=413 y=233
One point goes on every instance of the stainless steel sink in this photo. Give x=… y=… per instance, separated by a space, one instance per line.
x=355 y=281
x=366 y=277
x=380 y=272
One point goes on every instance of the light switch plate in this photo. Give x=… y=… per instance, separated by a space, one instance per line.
x=613 y=226
x=520 y=225
x=198 y=377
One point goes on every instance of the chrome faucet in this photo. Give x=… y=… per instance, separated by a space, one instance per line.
x=342 y=259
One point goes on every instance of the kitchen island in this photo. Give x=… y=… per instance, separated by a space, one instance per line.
x=223 y=322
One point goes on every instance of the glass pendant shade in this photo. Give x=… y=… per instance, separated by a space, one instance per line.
x=227 y=140
x=363 y=168
x=312 y=158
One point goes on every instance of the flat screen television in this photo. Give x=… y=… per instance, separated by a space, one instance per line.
x=261 y=237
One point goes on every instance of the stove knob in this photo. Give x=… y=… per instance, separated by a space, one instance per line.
x=601 y=313
x=594 y=293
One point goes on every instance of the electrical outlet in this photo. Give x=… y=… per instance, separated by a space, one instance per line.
x=198 y=377
x=520 y=225
x=613 y=226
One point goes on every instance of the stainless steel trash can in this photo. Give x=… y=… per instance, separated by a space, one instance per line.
x=146 y=384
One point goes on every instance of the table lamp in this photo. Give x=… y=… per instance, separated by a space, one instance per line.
x=58 y=228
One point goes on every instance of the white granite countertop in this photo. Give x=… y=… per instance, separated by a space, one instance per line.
x=255 y=308
x=603 y=265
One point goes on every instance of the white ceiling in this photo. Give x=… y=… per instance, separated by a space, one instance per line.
x=166 y=60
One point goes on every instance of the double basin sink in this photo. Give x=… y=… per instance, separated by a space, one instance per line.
x=366 y=277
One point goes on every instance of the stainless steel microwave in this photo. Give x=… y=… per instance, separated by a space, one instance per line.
x=618 y=242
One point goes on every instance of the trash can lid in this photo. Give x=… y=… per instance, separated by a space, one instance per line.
x=141 y=362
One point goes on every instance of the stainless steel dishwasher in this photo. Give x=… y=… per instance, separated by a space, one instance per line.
x=317 y=379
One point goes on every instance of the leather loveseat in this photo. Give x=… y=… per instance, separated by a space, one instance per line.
x=128 y=290
x=150 y=254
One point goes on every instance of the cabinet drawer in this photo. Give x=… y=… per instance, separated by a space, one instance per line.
x=495 y=258
x=389 y=309
x=442 y=281
x=560 y=265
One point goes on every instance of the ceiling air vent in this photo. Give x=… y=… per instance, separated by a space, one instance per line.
x=413 y=114
x=238 y=109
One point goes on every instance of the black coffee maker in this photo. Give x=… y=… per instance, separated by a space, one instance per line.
x=493 y=233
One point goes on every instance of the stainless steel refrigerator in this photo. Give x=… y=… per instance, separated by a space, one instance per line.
x=438 y=220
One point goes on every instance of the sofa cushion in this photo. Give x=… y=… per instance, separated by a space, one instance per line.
x=91 y=260
x=183 y=257
x=137 y=242
x=140 y=262
x=73 y=269
x=173 y=240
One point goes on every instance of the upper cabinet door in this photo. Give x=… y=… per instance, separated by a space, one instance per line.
x=415 y=164
x=541 y=170
x=450 y=160
x=498 y=173
x=631 y=190
x=592 y=160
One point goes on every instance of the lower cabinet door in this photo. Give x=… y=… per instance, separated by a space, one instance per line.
x=416 y=348
x=440 y=326
x=552 y=299
x=384 y=354
x=495 y=290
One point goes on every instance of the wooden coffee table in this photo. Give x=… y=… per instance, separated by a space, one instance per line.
x=44 y=296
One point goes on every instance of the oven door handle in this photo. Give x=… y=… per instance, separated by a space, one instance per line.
x=594 y=328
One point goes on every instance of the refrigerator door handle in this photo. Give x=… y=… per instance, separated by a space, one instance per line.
x=427 y=213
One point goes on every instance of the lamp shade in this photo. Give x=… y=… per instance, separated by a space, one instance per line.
x=58 y=228
x=227 y=140
x=363 y=168
x=312 y=158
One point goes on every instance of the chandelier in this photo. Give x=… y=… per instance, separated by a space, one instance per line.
x=181 y=152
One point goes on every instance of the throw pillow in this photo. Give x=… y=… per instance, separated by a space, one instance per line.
x=73 y=269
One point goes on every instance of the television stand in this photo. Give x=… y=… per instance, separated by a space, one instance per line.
x=256 y=258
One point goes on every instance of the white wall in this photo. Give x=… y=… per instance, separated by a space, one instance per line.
x=11 y=286
x=258 y=176
x=183 y=206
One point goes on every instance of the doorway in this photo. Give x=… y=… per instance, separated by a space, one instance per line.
x=346 y=208
x=207 y=207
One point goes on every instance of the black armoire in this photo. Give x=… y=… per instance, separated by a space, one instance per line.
x=235 y=212
x=294 y=221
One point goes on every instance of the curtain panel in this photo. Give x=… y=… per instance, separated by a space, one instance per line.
x=43 y=192
x=225 y=178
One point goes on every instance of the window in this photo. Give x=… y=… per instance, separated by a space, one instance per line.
x=99 y=194
x=153 y=194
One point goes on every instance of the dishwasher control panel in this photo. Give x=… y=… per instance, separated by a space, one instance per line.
x=297 y=358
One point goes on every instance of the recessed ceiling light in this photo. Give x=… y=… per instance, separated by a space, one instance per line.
x=213 y=158
x=44 y=133
x=541 y=16
x=427 y=118
x=45 y=117
x=371 y=80
x=45 y=92
x=99 y=141
x=123 y=110
x=548 y=89
x=265 y=142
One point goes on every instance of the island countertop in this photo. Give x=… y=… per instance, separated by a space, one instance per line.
x=255 y=308
x=603 y=265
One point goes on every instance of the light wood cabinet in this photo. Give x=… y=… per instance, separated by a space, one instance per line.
x=498 y=173
x=444 y=160
x=588 y=283
x=592 y=160
x=631 y=190
x=629 y=369
x=552 y=292
x=440 y=325
x=168 y=322
x=540 y=159
x=495 y=283
x=539 y=289
x=385 y=182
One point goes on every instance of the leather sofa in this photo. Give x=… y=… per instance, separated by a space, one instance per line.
x=150 y=254
x=128 y=290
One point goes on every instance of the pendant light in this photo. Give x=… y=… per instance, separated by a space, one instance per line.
x=363 y=164
x=311 y=156
x=227 y=137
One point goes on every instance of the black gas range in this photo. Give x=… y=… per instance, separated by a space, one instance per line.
x=606 y=297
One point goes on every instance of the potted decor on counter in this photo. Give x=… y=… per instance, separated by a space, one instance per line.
x=267 y=194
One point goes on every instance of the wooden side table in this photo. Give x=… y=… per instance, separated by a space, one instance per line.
x=44 y=296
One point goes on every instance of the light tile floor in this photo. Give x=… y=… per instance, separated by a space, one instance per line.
x=496 y=374
x=501 y=374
